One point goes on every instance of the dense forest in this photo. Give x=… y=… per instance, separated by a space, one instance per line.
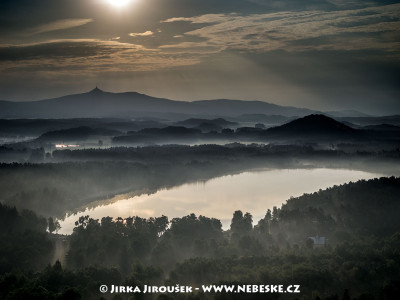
x=359 y=260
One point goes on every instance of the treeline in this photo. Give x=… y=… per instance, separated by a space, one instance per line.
x=360 y=259
x=360 y=208
x=56 y=189
x=52 y=189
x=9 y=154
x=185 y=153
x=75 y=178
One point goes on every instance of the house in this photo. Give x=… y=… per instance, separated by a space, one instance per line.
x=318 y=241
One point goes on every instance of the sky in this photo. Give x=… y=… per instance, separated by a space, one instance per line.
x=318 y=54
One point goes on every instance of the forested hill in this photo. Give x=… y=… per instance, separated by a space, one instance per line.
x=312 y=127
x=363 y=207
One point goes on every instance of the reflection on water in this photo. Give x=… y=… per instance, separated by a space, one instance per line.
x=253 y=192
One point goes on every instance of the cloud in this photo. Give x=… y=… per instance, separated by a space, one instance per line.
x=60 y=25
x=209 y=18
x=87 y=55
x=146 y=33
x=352 y=29
x=68 y=48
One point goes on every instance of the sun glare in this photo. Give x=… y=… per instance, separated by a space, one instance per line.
x=118 y=3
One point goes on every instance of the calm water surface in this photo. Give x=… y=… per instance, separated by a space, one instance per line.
x=253 y=192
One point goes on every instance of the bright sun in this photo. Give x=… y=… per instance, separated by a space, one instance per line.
x=118 y=3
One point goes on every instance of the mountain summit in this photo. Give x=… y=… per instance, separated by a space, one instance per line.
x=96 y=90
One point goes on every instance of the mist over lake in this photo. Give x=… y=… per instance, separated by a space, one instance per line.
x=254 y=192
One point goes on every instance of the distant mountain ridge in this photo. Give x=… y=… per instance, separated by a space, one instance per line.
x=196 y=122
x=101 y=104
x=346 y=113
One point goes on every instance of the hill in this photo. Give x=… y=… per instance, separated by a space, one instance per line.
x=382 y=127
x=365 y=121
x=37 y=127
x=346 y=113
x=313 y=126
x=227 y=107
x=101 y=104
x=262 y=118
x=361 y=208
x=193 y=122
x=77 y=133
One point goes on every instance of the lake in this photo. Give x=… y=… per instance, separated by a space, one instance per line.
x=253 y=191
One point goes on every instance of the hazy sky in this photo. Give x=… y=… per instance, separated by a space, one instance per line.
x=319 y=54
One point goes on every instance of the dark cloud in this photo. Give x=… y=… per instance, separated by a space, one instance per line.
x=58 y=49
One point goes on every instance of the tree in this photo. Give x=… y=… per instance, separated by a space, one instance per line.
x=58 y=226
x=236 y=221
x=51 y=225
x=268 y=215
x=241 y=225
x=309 y=243
x=275 y=212
x=247 y=222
